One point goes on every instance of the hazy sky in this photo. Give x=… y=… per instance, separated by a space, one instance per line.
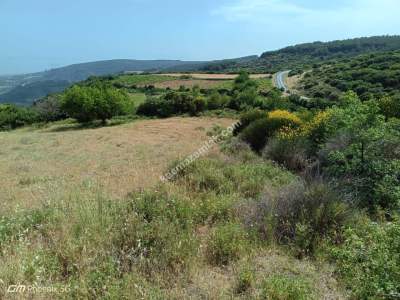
x=42 y=34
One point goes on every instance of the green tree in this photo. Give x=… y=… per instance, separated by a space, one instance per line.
x=390 y=106
x=362 y=155
x=12 y=116
x=95 y=103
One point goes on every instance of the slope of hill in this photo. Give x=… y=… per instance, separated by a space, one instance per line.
x=305 y=55
x=24 y=89
x=78 y=72
x=369 y=75
x=82 y=203
x=26 y=94
x=213 y=66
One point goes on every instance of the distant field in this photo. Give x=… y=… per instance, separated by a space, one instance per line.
x=176 y=80
x=214 y=76
x=47 y=165
x=137 y=98
x=189 y=83
x=135 y=79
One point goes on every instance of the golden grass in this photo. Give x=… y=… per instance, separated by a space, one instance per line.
x=38 y=166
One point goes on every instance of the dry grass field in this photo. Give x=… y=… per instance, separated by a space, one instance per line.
x=38 y=166
x=84 y=209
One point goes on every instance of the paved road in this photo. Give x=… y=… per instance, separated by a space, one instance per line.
x=280 y=80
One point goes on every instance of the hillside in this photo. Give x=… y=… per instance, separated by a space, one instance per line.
x=24 y=89
x=89 y=202
x=369 y=75
x=130 y=186
x=26 y=94
x=305 y=55
x=78 y=72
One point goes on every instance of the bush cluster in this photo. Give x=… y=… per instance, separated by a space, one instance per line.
x=97 y=102
x=368 y=260
x=173 y=103
x=300 y=215
x=12 y=116
x=258 y=132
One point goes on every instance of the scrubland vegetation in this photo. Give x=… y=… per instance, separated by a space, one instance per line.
x=304 y=56
x=370 y=76
x=302 y=202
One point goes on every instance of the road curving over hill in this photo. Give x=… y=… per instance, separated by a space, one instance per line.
x=279 y=80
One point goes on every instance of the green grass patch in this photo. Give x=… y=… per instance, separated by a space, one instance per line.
x=264 y=84
x=137 y=79
x=137 y=98
x=284 y=287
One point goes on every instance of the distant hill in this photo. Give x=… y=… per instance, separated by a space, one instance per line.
x=306 y=55
x=372 y=75
x=29 y=87
x=24 y=89
x=78 y=72
x=215 y=66
x=25 y=94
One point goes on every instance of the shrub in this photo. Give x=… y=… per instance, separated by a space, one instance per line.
x=246 y=179
x=362 y=157
x=316 y=131
x=217 y=101
x=244 y=93
x=294 y=147
x=154 y=106
x=291 y=153
x=215 y=208
x=247 y=118
x=245 y=99
x=49 y=108
x=259 y=131
x=235 y=147
x=165 y=247
x=155 y=234
x=284 y=287
x=227 y=243
x=20 y=225
x=256 y=134
x=173 y=103
x=286 y=116
x=369 y=261
x=160 y=205
x=299 y=215
x=98 y=102
x=12 y=116
x=390 y=106
x=245 y=280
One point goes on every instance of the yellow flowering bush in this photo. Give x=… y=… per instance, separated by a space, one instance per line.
x=285 y=115
x=291 y=141
x=259 y=131
x=316 y=130
x=290 y=133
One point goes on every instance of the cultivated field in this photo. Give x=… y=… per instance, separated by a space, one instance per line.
x=189 y=83
x=214 y=76
x=45 y=165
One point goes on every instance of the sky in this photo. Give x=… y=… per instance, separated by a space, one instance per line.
x=36 y=35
